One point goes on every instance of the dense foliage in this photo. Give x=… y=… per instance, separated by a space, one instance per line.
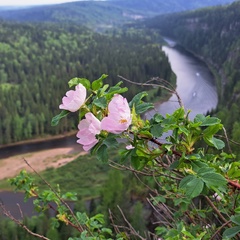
x=212 y=34
x=193 y=192
x=36 y=60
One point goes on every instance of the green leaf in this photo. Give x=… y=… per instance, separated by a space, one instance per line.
x=82 y=217
x=205 y=170
x=143 y=107
x=100 y=102
x=156 y=130
x=75 y=81
x=235 y=219
x=231 y=232
x=194 y=188
x=102 y=153
x=158 y=117
x=111 y=141
x=192 y=185
x=158 y=199
x=98 y=83
x=186 y=180
x=211 y=130
x=206 y=121
x=140 y=106
x=196 y=165
x=214 y=142
x=70 y=196
x=213 y=179
x=179 y=113
x=57 y=118
x=138 y=162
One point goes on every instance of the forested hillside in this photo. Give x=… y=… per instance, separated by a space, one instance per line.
x=214 y=35
x=104 y=14
x=38 y=60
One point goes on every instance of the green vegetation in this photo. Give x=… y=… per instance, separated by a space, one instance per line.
x=101 y=15
x=36 y=60
x=212 y=34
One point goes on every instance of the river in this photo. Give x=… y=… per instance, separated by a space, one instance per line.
x=195 y=85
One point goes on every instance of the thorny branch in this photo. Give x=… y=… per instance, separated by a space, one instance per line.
x=78 y=227
x=9 y=215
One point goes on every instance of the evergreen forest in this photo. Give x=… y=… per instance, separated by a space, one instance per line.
x=38 y=58
x=213 y=35
x=37 y=61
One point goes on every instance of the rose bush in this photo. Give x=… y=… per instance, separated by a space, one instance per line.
x=119 y=115
x=193 y=186
x=88 y=129
x=74 y=99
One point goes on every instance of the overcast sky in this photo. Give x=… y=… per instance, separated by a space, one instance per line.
x=31 y=2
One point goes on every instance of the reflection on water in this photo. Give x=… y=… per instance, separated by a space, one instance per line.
x=195 y=84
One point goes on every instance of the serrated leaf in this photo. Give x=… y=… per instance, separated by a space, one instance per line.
x=140 y=106
x=157 y=130
x=98 y=83
x=192 y=185
x=186 y=180
x=214 y=179
x=206 y=121
x=218 y=144
x=231 y=232
x=115 y=90
x=57 y=118
x=235 y=219
x=194 y=188
x=179 y=113
x=75 y=81
x=137 y=162
x=202 y=171
x=100 y=102
x=158 y=117
x=158 y=199
x=143 y=107
x=214 y=142
x=111 y=141
x=102 y=153
x=211 y=130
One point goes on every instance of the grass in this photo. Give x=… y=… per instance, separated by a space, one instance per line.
x=85 y=175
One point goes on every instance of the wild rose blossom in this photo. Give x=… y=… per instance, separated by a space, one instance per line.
x=74 y=99
x=119 y=115
x=130 y=147
x=88 y=129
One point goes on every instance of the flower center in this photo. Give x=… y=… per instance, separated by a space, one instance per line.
x=122 y=121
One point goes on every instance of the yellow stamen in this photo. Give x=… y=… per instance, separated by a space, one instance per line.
x=122 y=121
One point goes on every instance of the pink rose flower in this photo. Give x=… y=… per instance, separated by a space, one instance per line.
x=74 y=99
x=130 y=147
x=88 y=129
x=119 y=115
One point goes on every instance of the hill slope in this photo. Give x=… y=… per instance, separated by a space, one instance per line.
x=214 y=35
x=104 y=13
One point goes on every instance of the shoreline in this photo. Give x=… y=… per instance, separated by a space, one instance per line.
x=40 y=139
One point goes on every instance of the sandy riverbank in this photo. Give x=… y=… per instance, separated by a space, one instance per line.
x=40 y=160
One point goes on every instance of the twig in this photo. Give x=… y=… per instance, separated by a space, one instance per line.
x=225 y=133
x=20 y=210
x=156 y=85
x=219 y=229
x=133 y=231
x=79 y=227
x=9 y=215
x=217 y=211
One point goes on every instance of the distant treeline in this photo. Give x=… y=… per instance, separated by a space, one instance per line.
x=213 y=34
x=37 y=61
